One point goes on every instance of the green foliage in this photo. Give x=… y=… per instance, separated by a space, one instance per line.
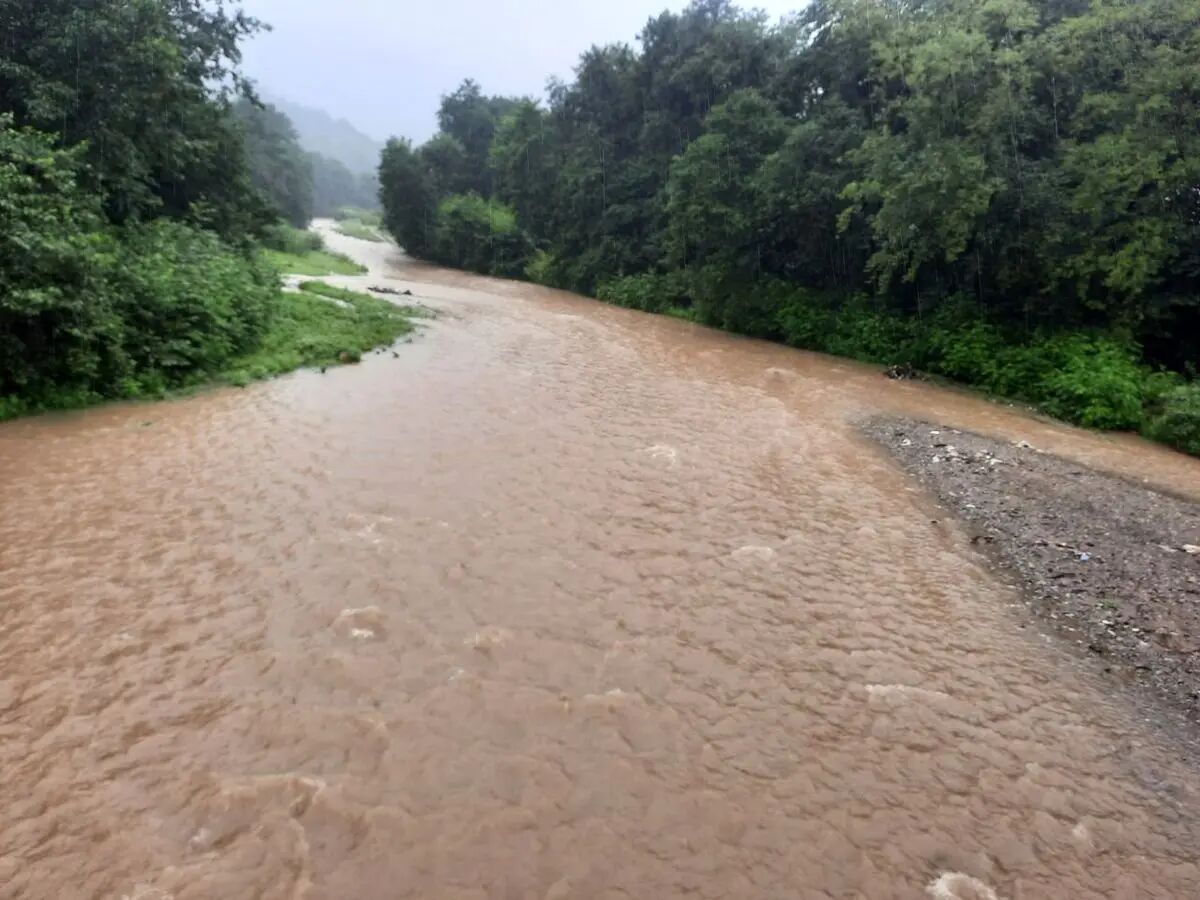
x=186 y=303
x=409 y=199
x=335 y=187
x=312 y=262
x=1094 y=380
x=522 y=158
x=90 y=311
x=372 y=218
x=1177 y=423
x=1003 y=193
x=57 y=322
x=468 y=122
x=310 y=330
x=656 y=293
x=293 y=251
x=480 y=235
x=287 y=239
x=541 y=268
x=358 y=230
x=143 y=87
x=132 y=187
x=1091 y=379
x=279 y=169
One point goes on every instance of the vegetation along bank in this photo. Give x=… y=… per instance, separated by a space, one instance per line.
x=1003 y=194
x=149 y=202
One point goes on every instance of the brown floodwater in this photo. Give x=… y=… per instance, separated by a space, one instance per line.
x=564 y=602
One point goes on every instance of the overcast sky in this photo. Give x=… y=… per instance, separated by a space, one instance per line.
x=384 y=64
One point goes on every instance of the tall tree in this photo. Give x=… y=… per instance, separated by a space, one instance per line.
x=279 y=168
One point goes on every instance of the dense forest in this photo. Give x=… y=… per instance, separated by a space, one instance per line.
x=996 y=191
x=139 y=178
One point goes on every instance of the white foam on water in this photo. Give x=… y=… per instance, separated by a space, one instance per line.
x=664 y=452
x=611 y=699
x=754 y=552
x=1082 y=836
x=146 y=892
x=957 y=886
x=361 y=624
x=488 y=638
x=904 y=691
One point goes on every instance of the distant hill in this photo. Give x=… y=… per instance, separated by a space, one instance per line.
x=334 y=138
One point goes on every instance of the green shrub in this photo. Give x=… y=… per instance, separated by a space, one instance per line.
x=960 y=344
x=541 y=268
x=650 y=292
x=296 y=241
x=480 y=235
x=1093 y=380
x=1178 y=422
x=187 y=302
x=57 y=323
x=865 y=328
x=805 y=319
x=88 y=310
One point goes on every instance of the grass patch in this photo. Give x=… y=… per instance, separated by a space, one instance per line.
x=372 y=218
x=356 y=228
x=312 y=262
x=345 y=295
x=308 y=330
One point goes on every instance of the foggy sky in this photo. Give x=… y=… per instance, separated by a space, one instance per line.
x=384 y=64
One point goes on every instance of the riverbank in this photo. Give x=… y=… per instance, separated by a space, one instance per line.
x=312 y=324
x=1111 y=564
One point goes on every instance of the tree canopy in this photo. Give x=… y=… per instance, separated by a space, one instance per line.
x=1030 y=166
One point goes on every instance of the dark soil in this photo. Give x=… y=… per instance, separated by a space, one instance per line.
x=1112 y=564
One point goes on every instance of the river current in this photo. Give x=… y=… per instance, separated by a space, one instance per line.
x=564 y=601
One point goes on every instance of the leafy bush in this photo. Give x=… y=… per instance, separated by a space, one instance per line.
x=804 y=319
x=57 y=323
x=1094 y=380
x=541 y=268
x=650 y=292
x=865 y=328
x=89 y=311
x=187 y=303
x=480 y=235
x=961 y=344
x=1178 y=423
x=297 y=241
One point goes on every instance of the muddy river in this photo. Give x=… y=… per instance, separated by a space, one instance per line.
x=565 y=601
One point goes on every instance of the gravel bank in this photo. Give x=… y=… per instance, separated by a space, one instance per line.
x=1113 y=565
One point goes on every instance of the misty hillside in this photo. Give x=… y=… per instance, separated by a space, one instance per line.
x=335 y=138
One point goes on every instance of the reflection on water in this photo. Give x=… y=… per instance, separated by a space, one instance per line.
x=565 y=601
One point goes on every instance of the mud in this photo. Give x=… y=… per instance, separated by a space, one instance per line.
x=562 y=601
